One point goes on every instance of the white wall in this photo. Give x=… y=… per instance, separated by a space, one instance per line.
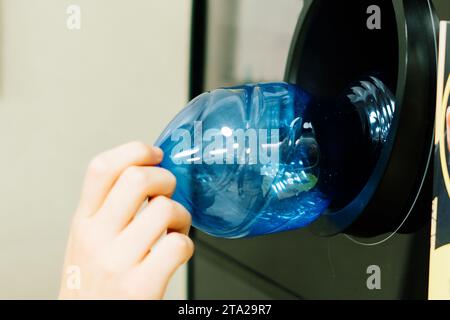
x=65 y=96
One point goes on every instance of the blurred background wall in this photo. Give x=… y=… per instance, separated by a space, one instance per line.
x=66 y=95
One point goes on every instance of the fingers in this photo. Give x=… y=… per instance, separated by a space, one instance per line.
x=132 y=188
x=448 y=128
x=166 y=257
x=146 y=229
x=104 y=170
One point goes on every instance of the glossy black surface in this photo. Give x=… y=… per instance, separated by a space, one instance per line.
x=303 y=263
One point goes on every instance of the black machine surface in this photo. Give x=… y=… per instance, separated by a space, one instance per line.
x=322 y=46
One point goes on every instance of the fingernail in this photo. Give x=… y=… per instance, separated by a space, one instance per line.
x=159 y=153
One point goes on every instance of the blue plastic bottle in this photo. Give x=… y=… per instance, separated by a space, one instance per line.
x=264 y=158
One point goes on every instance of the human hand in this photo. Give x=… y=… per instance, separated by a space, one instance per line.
x=113 y=251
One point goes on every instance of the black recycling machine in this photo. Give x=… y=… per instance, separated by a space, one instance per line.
x=322 y=46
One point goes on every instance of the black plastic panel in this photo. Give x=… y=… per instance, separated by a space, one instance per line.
x=304 y=265
x=330 y=268
x=219 y=277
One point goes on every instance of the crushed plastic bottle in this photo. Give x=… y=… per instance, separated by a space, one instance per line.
x=262 y=158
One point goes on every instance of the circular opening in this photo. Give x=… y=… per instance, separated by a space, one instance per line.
x=332 y=48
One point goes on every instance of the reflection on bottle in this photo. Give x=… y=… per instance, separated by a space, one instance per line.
x=265 y=158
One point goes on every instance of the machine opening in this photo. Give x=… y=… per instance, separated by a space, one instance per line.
x=333 y=49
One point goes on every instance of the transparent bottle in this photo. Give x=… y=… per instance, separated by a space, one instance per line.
x=264 y=158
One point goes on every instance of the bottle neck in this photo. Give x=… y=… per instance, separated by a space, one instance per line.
x=351 y=133
x=376 y=107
